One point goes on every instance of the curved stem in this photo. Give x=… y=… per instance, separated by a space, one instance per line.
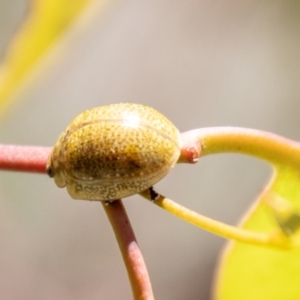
x=274 y=239
x=133 y=259
x=270 y=147
x=278 y=151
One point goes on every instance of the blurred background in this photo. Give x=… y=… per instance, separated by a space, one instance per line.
x=201 y=63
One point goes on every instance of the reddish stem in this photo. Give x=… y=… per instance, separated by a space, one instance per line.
x=34 y=159
x=133 y=259
x=23 y=158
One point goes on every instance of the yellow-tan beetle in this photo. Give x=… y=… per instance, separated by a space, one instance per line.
x=114 y=151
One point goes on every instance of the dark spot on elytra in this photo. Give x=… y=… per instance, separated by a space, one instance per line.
x=132 y=163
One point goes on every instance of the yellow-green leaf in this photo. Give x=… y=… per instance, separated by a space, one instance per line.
x=44 y=25
x=251 y=272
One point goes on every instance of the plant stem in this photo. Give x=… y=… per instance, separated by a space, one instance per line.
x=273 y=239
x=23 y=158
x=276 y=150
x=267 y=146
x=133 y=259
x=34 y=159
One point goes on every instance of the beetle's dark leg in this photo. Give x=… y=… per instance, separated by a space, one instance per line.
x=154 y=195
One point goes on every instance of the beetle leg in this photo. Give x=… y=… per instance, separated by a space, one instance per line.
x=153 y=194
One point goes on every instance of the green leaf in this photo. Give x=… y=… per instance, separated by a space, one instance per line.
x=253 y=272
x=43 y=28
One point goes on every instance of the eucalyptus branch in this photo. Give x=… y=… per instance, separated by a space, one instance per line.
x=276 y=150
x=34 y=159
x=23 y=158
x=280 y=152
x=273 y=239
x=273 y=148
x=133 y=259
